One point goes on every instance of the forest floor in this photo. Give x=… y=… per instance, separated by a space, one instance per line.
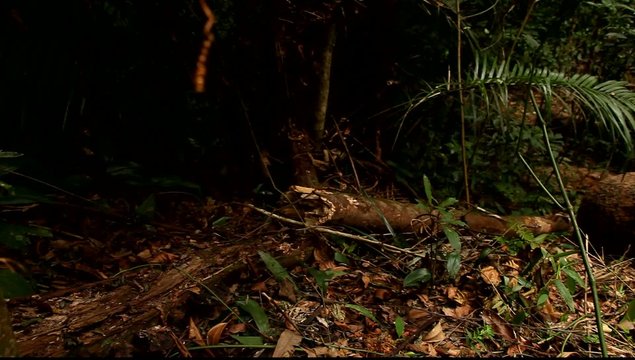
x=191 y=277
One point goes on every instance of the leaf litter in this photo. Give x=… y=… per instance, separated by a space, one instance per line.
x=272 y=290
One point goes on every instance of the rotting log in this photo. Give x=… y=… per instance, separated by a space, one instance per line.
x=105 y=321
x=325 y=207
x=607 y=210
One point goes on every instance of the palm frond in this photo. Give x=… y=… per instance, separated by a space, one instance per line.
x=611 y=103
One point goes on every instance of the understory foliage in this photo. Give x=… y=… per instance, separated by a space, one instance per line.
x=507 y=66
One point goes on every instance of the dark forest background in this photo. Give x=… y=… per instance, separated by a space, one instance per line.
x=92 y=89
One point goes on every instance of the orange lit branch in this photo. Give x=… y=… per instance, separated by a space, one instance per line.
x=201 y=67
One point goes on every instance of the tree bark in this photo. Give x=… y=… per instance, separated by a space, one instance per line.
x=324 y=85
x=100 y=321
x=607 y=211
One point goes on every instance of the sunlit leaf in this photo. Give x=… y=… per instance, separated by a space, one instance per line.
x=256 y=312
x=400 y=326
x=564 y=292
x=453 y=238
x=322 y=277
x=341 y=258
x=9 y=154
x=628 y=321
x=416 y=277
x=572 y=274
x=274 y=267
x=427 y=187
x=362 y=310
x=448 y=202
x=453 y=264
x=248 y=340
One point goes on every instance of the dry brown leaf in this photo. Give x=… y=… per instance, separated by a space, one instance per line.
x=286 y=342
x=214 y=334
x=515 y=349
x=512 y=264
x=366 y=280
x=194 y=334
x=195 y=290
x=549 y=312
x=490 y=275
x=145 y=254
x=436 y=334
x=567 y=354
x=323 y=259
x=382 y=294
x=423 y=348
x=179 y=345
x=463 y=310
x=259 y=286
x=415 y=314
x=317 y=351
x=323 y=351
x=453 y=293
x=499 y=325
x=163 y=258
x=448 y=311
x=237 y=328
x=287 y=290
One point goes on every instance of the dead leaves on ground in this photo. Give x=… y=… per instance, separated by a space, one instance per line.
x=355 y=307
x=362 y=305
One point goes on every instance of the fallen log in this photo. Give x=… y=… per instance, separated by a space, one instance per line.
x=128 y=319
x=607 y=211
x=325 y=207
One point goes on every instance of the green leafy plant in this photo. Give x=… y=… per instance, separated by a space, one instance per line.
x=449 y=225
x=362 y=310
x=278 y=271
x=257 y=313
x=417 y=277
x=322 y=277
x=523 y=238
x=15 y=236
x=479 y=336
x=400 y=326
x=12 y=284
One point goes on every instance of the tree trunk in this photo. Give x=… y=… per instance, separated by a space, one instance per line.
x=324 y=84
